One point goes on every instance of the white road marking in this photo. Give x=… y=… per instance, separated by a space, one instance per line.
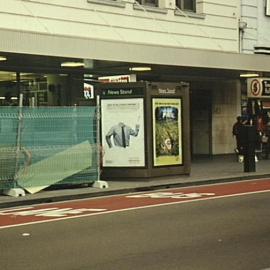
x=51 y=212
x=171 y=195
x=17 y=209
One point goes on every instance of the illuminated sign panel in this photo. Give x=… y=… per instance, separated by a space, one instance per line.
x=88 y=91
x=258 y=87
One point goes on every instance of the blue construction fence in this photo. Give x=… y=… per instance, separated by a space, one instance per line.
x=48 y=146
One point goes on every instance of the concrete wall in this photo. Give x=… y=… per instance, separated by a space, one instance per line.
x=263 y=26
x=258 y=24
x=213 y=27
x=226 y=106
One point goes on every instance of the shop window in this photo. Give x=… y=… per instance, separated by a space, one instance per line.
x=189 y=5
x=153 y=3
x=8 y=89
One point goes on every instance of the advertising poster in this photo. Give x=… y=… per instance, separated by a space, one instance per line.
x=167 y=131
x=122 y=125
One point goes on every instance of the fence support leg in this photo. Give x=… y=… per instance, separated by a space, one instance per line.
x=14 y=192
x=100 y=184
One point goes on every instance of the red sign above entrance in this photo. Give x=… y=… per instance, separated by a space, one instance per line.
x=258 y=88
x=255 y=87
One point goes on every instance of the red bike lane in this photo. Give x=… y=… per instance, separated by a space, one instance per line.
x=103 y=205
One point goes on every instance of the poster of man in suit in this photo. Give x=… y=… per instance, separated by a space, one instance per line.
x=122 y=129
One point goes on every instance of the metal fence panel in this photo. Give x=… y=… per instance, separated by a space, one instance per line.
x=9 y=118
x=45 y=146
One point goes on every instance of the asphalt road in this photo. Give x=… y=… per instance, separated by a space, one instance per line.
x=230 y=233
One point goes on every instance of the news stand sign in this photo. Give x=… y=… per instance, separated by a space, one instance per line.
x=258 y=87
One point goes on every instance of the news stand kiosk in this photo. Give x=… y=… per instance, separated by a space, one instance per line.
x=144 y=129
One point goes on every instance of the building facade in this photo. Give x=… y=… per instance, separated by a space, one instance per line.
x=199 y=42
x=255 y=22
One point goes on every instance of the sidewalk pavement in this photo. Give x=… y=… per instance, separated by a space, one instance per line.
x=208 y=170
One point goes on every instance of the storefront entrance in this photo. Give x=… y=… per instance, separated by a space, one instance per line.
x=201 y=112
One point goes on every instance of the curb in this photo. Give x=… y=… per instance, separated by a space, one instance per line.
x=126 y=190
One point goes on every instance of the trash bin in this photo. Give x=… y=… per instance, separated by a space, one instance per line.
x=248 y=136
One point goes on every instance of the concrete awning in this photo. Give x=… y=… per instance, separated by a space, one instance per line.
x=66 y=46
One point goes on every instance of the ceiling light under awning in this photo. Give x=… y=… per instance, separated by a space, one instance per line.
x=249 y=75
x=72 y=64
x=140 y=68
x=3 y=58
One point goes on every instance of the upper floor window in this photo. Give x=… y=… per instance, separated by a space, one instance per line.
x=153 y=3
x=186 y=4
